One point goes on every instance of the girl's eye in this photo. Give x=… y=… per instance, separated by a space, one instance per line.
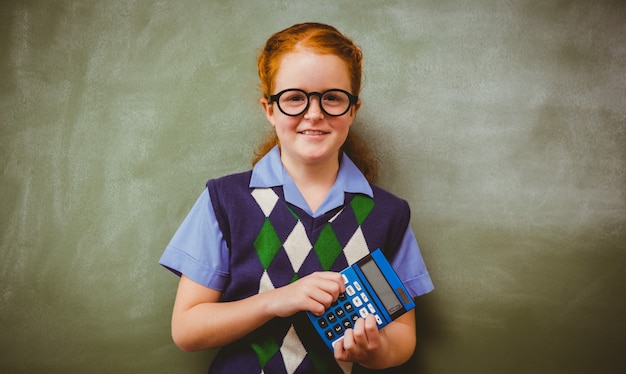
x=295 y=98
x=335 y=98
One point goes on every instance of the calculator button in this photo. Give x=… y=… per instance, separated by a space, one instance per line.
x=363 y=312
x=354 y=317
x=342 y=297
x=350 y=291
x=357 y=301
x=378 y=320
x=357 y=286
x=322 y=322
x=329 y=334
x=371 y=308
x=345 y=279
x=338 y=329
x=364 y=297
x=346 y=324
x=340 y=313
x=331 y=317
x=348 y=307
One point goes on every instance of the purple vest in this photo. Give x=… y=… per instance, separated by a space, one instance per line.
x=273 y=243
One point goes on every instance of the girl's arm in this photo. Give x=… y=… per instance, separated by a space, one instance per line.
x=201 y=321
x=379 y=349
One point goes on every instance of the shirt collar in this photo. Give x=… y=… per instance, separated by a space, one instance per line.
x=269 y=172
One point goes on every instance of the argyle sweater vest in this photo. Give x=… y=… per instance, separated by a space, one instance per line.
x=272 y=243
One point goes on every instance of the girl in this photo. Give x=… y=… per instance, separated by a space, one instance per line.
x=260 y=247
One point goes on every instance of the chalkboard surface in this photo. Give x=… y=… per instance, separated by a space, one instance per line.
x=503 y=123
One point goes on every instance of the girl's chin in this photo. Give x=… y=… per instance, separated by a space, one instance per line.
x=309 y=155
x=318 y=157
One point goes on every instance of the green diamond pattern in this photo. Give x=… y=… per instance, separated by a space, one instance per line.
x=327 y=247
x=267 y=244
x=265 y=350
x=361 y=206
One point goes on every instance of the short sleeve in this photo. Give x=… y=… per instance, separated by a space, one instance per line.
x=198 y=249
x=410 y=267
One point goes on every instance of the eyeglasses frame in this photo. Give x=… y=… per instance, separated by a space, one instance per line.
x=275 y=99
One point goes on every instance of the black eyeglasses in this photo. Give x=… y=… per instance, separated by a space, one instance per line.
x=293 y=101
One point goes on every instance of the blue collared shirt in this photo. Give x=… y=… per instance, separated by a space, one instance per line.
x=199 y=251
x=269 y=172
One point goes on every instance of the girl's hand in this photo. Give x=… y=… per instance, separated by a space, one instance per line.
x=360 y=343
x=378 y=349
x=193 y=331
x=314 y=293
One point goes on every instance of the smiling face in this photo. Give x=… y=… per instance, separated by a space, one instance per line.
x=312 y=137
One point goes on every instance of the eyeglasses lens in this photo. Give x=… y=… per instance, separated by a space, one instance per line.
x=295 y=102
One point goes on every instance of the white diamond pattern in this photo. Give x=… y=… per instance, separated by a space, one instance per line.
x=266 y=283
x=292 y=350
x=266 y=198
x=356 y=248
x=297 y=246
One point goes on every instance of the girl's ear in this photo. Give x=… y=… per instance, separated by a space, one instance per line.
x=268 y=109
x=355 y=108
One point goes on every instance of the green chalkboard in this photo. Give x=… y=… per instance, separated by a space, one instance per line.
x=503 y=123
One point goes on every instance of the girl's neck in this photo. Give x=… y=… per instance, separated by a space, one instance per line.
x=314 y=181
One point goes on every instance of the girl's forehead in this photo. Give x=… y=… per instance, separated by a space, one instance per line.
x=305 y=67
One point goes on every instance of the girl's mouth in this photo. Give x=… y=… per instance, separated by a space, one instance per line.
x=312 y=132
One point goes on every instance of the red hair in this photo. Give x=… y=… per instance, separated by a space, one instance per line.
x=322 y=39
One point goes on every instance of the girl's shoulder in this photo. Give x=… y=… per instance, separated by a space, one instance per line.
x=231 y=180
x=385 y=196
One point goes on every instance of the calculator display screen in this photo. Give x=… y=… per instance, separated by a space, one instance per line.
x=381 y=286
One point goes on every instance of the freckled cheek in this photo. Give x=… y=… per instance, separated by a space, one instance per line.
x=286 y=123
x=341 y=123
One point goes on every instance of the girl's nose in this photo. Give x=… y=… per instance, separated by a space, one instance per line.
x=314 y=111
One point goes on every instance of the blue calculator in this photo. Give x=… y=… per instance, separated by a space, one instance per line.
x=372 y=287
